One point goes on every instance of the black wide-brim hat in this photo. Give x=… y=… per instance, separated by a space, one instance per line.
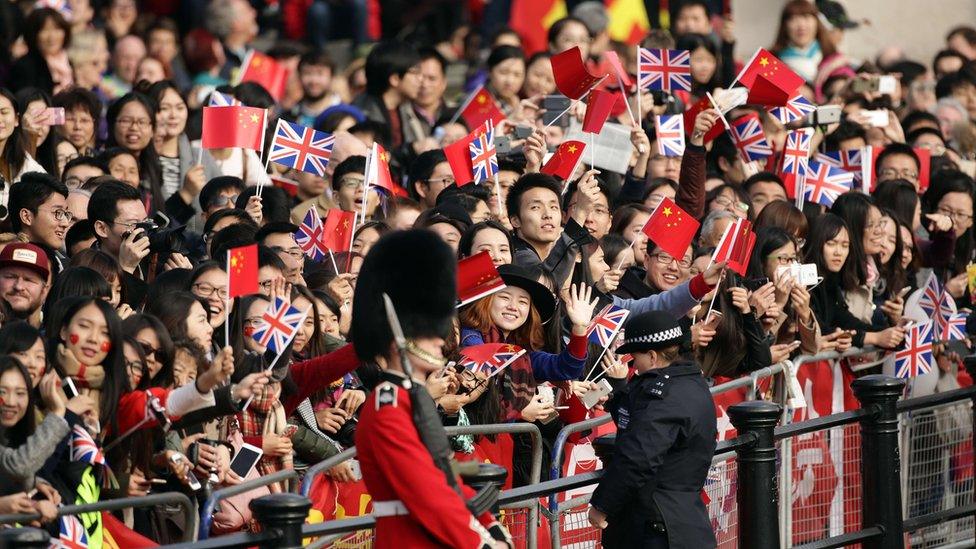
x=522 y=277
x=650 y=332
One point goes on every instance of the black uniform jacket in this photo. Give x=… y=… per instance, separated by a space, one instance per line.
x=664 y=447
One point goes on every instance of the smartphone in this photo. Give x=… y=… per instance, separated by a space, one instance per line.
x=593 y=396
x=877 y=118
x=887 y=84
x=503 y=144
x=753 y=284
x=69 y=388
x=904 y=291
x=865 y=84
x=554 y=106
x=191 y=479
x=523 y=132
x=52 y=116
x=827 y=114
x=548 y=395
x=245 y=459
x=357 y=472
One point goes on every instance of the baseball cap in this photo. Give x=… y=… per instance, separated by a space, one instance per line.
x=836 y=15
x=27 y=255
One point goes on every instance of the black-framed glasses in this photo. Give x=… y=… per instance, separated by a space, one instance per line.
x=148 y=350
x=666 y=259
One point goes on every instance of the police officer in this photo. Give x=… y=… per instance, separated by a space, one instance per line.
x=418 y=500
x=650 y=493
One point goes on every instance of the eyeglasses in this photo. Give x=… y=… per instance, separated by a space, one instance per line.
x=203 y=289
x=137 y=122
x=133 y=367
x=783 y=259
x=129 y=224
x=62 y=215
x=448 y=180
x=878 y=225
x=892 y=173
x=727 y=203
x=350 y=183
x=961 y=217
x=666 y=259
x=266 y=285
x=253 y=321
x=296 y=253
x=223 y=200
x=148 y=350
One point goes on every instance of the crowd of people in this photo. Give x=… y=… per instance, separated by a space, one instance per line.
x=117 y=225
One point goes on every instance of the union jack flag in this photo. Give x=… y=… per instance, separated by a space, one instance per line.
x=670 y=133
x=749 y=138
x=668 y=70
x=279 y=324
x=84 y=448
x=604 y=326
x=309 y=235
x=822 y=184
x=943 y=315
x=218 y=99
x=71 y=533
x=915 y=356
x=954 y=327
x=484 y=161
x=796 y=108
x=490 y=358
x=850 y=160
x=796 y=154
x=301 y=148
x=931 y=299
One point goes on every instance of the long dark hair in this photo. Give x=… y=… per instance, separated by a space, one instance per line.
x=802 y=7
x=174 y=311
x=853 y=208
x=892 y=273
x=827 y=228
x=113 y=364
x=164 y=354
x=315 y=346
x=14 y=150
x=943 y=183
x=768 y=240
x=467 y=237
x=899 y=197
x=45 y=153
x=692 y=42
x=149 y=166
x=238 y=314
x=18 y=434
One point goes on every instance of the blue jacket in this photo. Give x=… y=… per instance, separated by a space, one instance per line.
x=545 y=366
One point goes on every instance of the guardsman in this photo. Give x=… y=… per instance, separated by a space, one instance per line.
x=650 y=493
x=418 y=500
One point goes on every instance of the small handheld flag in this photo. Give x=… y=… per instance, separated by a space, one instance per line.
x=670 y=134
x=304 y=149
x=278 y=326
x=796 y=153
x=671 y=228
x=796 y=108
x=605 y=325
x=663 y=69
x=309 y=235
x=477 y=277
x=822 y=184
x=749 y=138
x=484 y=161
x=915 y=356
x=490 y=358
x=242 y=271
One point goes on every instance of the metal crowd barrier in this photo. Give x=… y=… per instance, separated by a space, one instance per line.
x=210 y=506
x=152 y=500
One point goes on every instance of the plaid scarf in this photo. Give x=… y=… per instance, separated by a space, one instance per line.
x=518 y=381
x=261 y=418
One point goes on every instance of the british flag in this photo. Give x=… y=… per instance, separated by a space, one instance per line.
x=796 y=153
x=849 y=160
x=931 y=297
x=749 y=138
x=490 y=358
x=301 y=148
x=604 y=326
x=278 y=326
x=84 y=448
x=954 y=327
x=670 y=134
x=822 y=184
x=796 y=108
x=668 y=70
x=218 y=99
x=943 y=315
x=915 y=356
x=71 y=533
x=309 y=235
x=484 y=161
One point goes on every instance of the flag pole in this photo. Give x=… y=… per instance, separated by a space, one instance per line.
x=334 y=266
x=275 y=361
x=603 y=352
x=621 y=262
x=498 y=195
x=574 y=101
x=719 y=111
x=200 y=155
x=265 y=157
x=372 y=155
x=640 y=90
x=227 y=305
x=467 y=101
x=592 y=154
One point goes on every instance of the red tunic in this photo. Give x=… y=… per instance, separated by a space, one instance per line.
x=396 y=466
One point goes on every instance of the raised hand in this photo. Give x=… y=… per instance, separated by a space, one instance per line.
x=579 y=308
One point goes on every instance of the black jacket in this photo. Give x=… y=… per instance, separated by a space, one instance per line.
x=665 y=443
x=828 y=305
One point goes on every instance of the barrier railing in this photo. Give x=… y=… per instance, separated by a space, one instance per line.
x=151 y=500
x=210 y=506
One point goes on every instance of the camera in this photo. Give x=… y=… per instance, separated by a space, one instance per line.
x=163 y=236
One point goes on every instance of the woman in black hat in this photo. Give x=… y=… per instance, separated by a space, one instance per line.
x=515 y=315
x=650 y=493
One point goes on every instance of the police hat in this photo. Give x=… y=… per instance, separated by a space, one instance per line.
x=419 y=273
x=650 y=332
x=525 y=278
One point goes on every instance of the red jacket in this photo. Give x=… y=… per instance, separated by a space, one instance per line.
x=396 y=466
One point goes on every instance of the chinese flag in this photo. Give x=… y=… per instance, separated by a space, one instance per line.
x=480 y=108
x=628 y=21
x=736 y=246
x=459 y=157
x=230 y=127
x=115 y=535
x=692 y=113
x=290 y=186
x=337 y=230
x=242 y=271
x=572 y=78
x=379 y=171
x=564 y=160
x=598 y=107
x=477 y=277
x=925 y=159
x=262 y=69
x=770 y=81
x=671 y=228
x=532 y=18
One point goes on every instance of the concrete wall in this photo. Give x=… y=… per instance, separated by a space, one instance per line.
x=917 y=26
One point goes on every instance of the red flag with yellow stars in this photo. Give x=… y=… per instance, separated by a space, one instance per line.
x=477 y=277
x=531 y=19
x=770 y=81
x=231 y=127
x=263 y=69
x=242 y=271
x=628 y=21
x=569 y=72
x=481 y=107
x=671 y=228
x=564 y=160
x=337 y=230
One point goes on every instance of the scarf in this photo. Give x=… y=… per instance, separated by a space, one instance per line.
x=518 y=381
x=266 y=415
